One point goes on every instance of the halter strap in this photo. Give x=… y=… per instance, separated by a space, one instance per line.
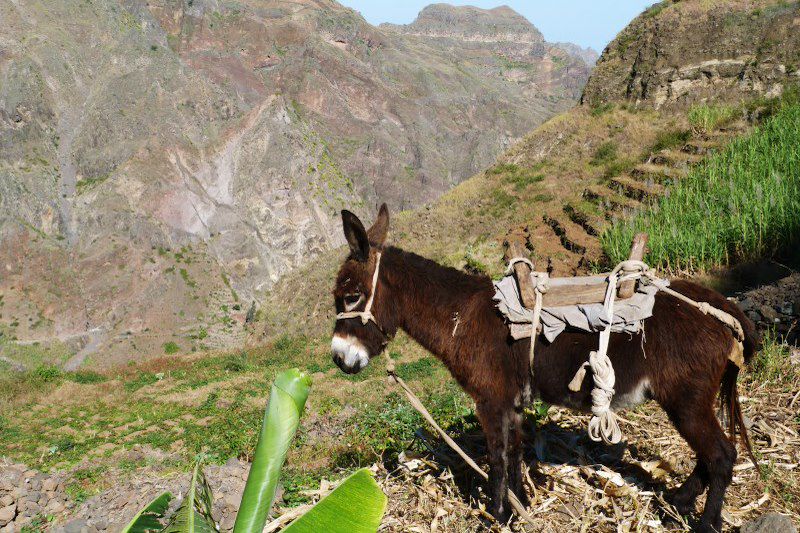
x=366 y=315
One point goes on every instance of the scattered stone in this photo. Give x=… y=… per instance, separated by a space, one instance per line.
x=79 y=525
x=746 y=304
x=769 y=313
x=7 y=514
x=769 y=523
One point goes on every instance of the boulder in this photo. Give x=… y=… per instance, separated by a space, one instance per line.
x=7 y=514
x=769 y=523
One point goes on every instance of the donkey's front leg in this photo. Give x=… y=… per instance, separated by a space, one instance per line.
x=495 y=421
x=515 y=455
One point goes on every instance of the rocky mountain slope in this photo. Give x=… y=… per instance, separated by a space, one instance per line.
x=165 y=162
x=596 y=164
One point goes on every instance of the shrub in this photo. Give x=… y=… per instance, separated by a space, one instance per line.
x=171 y=348
x=605 y=153
x=670 y=139
x=85 y=377
x=47 y=373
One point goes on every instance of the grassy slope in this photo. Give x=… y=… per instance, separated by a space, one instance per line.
x=174 y=408
x=741 y=204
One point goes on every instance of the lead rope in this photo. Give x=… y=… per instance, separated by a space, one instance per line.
x=417 y=404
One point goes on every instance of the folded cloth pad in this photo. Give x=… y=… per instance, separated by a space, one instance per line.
x=628 y=313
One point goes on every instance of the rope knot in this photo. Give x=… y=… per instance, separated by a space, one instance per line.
x=541 y=281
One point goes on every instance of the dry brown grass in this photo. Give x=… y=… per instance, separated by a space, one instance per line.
x=578 y=485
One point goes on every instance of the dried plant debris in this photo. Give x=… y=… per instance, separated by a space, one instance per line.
x=575 y=484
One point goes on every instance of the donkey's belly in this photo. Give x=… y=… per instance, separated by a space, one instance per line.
x=624 y=398
x=555 y=367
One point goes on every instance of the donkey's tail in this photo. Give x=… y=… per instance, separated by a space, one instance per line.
x=729 y=394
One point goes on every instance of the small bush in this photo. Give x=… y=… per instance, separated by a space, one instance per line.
x=86 y=377
x=171 y=348
x=601 y=109
x=47 y=373
x=236 y=362
x=670 y=139
x=605 y=153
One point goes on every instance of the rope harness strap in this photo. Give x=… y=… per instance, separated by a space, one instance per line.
x=366 y=315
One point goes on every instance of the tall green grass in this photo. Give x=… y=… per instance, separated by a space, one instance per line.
x=707 y=118
x=741 y=204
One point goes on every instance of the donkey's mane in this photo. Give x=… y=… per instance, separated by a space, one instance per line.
x=435 y=273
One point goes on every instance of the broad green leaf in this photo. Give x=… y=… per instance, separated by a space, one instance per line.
x=356 y=506
x=194 y=513
x=287 y=400
x=149 y=519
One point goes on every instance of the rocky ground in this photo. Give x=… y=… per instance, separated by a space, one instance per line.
x=28 y=495
x=774 y=307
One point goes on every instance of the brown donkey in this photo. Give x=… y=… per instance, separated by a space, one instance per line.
x=681 y=363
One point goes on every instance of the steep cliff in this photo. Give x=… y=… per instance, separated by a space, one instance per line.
x=678 y=53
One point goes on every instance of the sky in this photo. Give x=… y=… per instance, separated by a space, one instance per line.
x=585 y=22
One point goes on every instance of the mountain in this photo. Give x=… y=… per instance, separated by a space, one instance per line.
x=165 y=162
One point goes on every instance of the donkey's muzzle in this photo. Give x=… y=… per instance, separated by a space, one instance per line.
x=349 y=354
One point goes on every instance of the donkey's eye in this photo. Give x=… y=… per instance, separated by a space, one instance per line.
x=352 y=300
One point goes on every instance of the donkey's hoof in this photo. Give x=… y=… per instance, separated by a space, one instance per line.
x=502 y=515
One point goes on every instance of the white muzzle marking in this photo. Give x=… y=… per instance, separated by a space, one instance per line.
x=349 y=352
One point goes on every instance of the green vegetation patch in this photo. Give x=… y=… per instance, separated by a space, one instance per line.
x=707 y=118
x=669 y=139
x=605 y=153
x=742 y=204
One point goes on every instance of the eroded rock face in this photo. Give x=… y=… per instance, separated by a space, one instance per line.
x=685 y=52
x=135 y=135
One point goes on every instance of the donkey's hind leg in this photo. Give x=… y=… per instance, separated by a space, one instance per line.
x=700 y=427
x=686 y=495
x=494 y=419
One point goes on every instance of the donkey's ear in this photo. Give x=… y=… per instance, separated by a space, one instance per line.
x=377 y=233
x=356 y=235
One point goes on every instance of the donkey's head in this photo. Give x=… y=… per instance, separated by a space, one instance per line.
x=360 y=333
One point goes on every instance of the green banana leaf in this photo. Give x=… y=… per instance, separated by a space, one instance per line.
x=148 y=520
x=287 y=400
x=194 y=513
x=356 y=506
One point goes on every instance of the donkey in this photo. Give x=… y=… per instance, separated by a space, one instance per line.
x=681 y=361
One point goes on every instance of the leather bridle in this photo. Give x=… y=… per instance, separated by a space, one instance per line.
x=366 y=315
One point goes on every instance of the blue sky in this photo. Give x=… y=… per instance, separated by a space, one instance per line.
x=585 y=22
